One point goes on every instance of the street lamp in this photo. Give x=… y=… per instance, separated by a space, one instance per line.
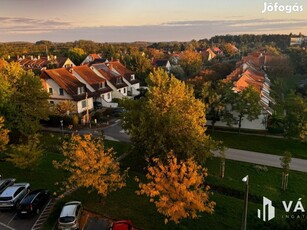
x=244 y=217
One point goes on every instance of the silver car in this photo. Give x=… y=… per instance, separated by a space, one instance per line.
x=13 y=194
x=70 y=216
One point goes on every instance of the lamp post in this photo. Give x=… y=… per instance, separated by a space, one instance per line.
x=244 y=217
x=61 y=121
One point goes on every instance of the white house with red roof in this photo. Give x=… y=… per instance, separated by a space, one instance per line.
x=63 y=85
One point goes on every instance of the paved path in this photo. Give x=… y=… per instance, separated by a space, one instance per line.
x=114 y=132
x=264 y=159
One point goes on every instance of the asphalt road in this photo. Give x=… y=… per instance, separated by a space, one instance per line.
x=115 y=132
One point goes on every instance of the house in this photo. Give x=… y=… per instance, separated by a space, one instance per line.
x=162 y=63
x=128 y=77
x=250 y=72
x=212 y=53
x=298 y=40
x=97 y=87
x=114 y=80
x=38 y=63
x=93 y=59
x=63 y=85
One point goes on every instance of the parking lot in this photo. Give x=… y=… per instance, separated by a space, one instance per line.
x=10 y=220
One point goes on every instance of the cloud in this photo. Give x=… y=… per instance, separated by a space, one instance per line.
x=28 y=29
x=21 y=25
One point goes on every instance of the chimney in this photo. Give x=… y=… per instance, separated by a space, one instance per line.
x=38 y=57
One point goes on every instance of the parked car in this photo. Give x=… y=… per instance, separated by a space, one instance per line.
x=33 y=202
x=13 y=194
x=97 y=105
x=121 y=225
x=117 y=112
x=4 y=183
x=70 y=215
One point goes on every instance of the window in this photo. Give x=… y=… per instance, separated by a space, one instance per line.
x=61 y=91
x=51 y=102
x=132 y=77
x=83 y=103
x=109 y=95
x=50 y=91
x=102 y=85
x=81 y=90
x=124 y=90
x=118 y=80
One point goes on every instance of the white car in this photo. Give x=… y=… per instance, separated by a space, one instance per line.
x=13 y=194
x=70 y=216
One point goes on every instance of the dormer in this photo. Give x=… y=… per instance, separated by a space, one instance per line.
x=81 y=90
x=102 y=85
x=132 y=77
x=119 y=80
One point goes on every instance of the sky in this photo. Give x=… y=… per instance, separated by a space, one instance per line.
x=146 y=20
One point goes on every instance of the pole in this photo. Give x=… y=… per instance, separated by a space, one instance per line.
x=87 y=113
x=244 y=219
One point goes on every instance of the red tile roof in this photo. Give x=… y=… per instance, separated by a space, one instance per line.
x=66 y=81
x=92 y=79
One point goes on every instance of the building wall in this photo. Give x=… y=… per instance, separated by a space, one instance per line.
x=55 y=87
x=257 y=124
x=81 y=109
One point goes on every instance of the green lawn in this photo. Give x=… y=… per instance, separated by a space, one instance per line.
x=125 y=204
x=263 y=144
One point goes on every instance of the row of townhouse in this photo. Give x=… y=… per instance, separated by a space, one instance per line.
x=250 y=71
x=84 y=85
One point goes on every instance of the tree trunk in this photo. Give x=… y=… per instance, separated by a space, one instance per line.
x=222 y=168
x=240 y=121
x=284 y=182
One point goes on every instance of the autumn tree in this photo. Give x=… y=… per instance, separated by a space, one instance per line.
x=64 y=108
x=285 y=164
x=4 y=137
x=26 y=155
x=295 y=120
x=90 y=165
x=244 y=104
x=177 y=188
x=169 y=118
x=191 y=62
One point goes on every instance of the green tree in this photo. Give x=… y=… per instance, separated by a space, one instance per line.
x=26 y=156
x=77 y=55
x=217 y=94
x=285 y=164
x=244 y=104
x=169 y=118
x=295 y=120
x=23 y=101
x=138 y=62
x=4 y=137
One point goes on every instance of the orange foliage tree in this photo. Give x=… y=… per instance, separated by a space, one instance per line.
x=90 y=165
x=177 y=188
